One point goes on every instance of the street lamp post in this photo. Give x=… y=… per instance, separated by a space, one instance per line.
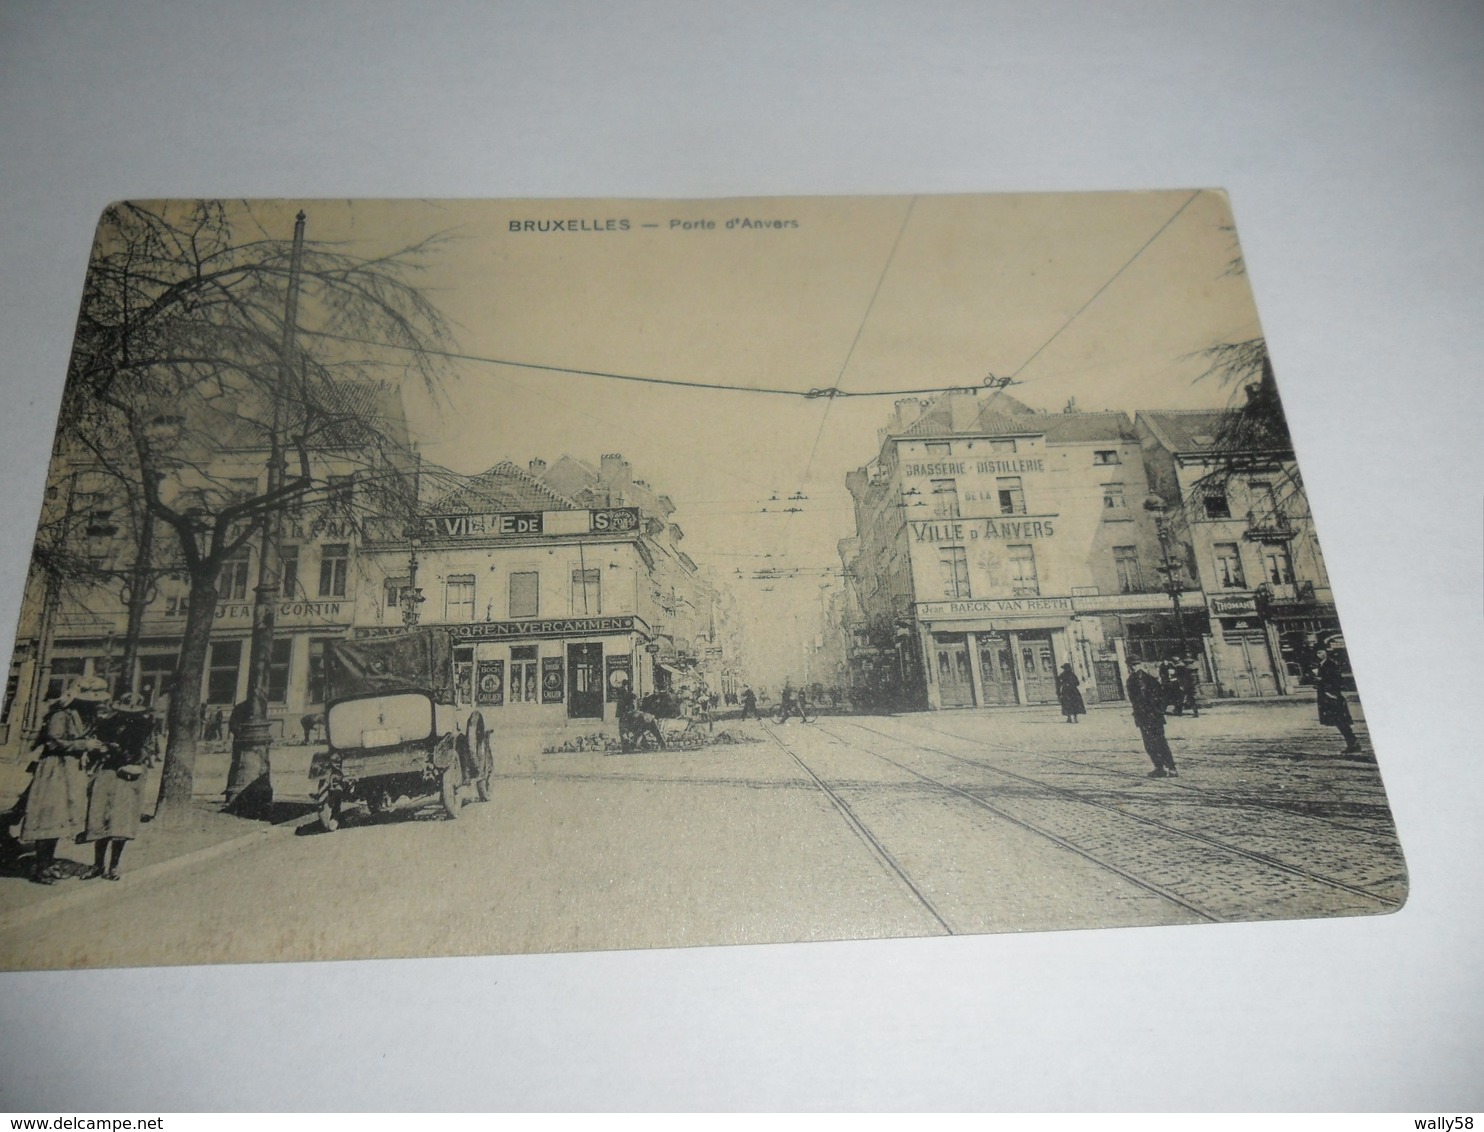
x=1160 y=510
x=412 y=597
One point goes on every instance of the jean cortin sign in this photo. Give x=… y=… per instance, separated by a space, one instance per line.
x=525 y=524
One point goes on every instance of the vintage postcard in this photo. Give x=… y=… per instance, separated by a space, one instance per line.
x=427 y=578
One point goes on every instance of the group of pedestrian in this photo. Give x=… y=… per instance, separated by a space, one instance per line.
x=88 y=779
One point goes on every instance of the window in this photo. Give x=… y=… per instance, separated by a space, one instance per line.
x=1002 y=446
x=340 y=490
x=955 y=561
x=1106 y=456
x=586 y=595
x=278 y=669
x=1276 y=564
x=945 y=499
x=1012 y=495
x=241 y=490
x=525 y=592
x=523 y=685
x=1126 y=562
x=458 y=598
x=221 y=673
x=393 y=592
x=288 y=560
x=1217 y=506
x=65 y=669
x=938 y=448
x=1023 y=580
x=1229 y=566
x=334 y=563
x=231 y=582
x=317 y=688
x=1113 y=497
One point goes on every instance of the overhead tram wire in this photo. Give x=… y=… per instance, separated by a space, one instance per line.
x=814 y=394
x=859 y=330
x=1127 y=264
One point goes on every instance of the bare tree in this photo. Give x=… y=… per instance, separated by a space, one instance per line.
x=181 y=382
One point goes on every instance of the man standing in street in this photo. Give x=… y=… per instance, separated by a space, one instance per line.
x=1333 y=710
x=1147 y=698
x=749 y=704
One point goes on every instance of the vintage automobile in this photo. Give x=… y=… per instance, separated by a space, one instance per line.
x=392 y=727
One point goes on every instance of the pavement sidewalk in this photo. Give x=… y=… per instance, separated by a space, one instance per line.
x=205 y=832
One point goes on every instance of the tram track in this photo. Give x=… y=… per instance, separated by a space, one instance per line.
x=1217 y=845
x=1136 y=777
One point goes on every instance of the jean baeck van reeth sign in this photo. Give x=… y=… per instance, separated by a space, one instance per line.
x=712 y=592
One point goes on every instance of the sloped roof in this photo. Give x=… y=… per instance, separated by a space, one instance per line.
x=364 y=404
x=1185 y=430
x=505 y=487
x=1058 y=428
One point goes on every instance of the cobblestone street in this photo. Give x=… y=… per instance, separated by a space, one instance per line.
x=846 y=827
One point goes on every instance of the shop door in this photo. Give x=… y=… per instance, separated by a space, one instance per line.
x=955 y=686
x=1038 y=670
x=996 y=671
x=585 y=681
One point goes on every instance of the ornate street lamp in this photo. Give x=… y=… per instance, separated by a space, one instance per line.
x=412 y=596
x=1169 y=570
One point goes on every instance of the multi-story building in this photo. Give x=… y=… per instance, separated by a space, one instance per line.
x=996 y=544
x=79 y=627
x=552 y=581
x=1257 y=559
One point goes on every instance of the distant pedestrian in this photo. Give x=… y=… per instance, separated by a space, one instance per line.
x=57 y=799
x=1067 y=691
x=749 y=705
x=215 y=724
x=1169 y=686
x=127 y=730
x=1146 y=697
x=1333 y=710
x=1189 y=680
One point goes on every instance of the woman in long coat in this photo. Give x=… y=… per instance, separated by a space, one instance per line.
x=1067 y=692
x=57 y=799
x=117 y=788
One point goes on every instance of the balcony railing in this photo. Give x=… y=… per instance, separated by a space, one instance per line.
x=1285 y=593
x=1270 y=526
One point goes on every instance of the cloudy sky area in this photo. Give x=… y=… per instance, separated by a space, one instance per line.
x=867 y=294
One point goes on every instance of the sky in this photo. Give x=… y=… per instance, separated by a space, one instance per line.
x=1108 y=298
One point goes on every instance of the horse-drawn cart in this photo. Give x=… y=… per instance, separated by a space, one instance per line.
x=392 y=727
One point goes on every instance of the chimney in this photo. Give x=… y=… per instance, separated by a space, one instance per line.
x=615 y=470
x=907 y=411
x=538 y=467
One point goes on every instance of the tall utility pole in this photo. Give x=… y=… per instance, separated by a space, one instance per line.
x=248 y=788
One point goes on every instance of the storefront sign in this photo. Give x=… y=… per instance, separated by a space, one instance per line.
x=553 y=680
x=961 y=530
x=617 y=673
x=988 y=607
x=489 y=684
x=561 y=627
x=1233 y=605
x=285 y=612
x=524 y=524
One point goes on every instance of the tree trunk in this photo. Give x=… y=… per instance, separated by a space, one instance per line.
x=184 y=721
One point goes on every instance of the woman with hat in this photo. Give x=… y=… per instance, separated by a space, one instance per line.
x=56 y=804
x=127 y=731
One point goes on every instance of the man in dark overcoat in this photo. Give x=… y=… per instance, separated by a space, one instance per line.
x=1334 y=711
x=1146 y=695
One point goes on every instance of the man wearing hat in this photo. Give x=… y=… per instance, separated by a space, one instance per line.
x=1146 y=697
x=1329 y=688
x=57 y=802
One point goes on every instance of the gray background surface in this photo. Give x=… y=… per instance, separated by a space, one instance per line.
x=1349 y=137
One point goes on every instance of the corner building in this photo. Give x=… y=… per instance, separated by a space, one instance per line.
x=997 y=543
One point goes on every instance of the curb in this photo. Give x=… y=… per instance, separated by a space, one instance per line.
x=24 y=917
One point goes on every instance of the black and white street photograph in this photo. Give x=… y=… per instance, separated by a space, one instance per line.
x=441 y=578
x=694 y=557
